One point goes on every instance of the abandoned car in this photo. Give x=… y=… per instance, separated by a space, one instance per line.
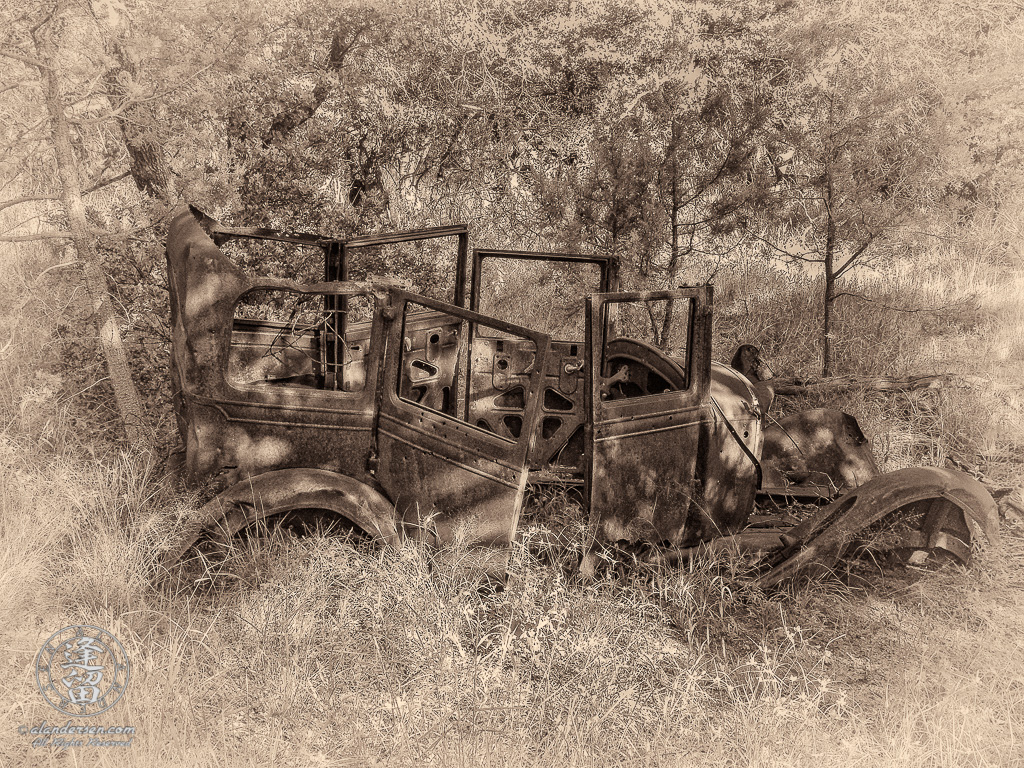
x=409 y=415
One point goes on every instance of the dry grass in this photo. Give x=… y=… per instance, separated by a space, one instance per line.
x=324 y=652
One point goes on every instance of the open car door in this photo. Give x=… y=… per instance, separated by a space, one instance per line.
x=452 y=474
x=648 y=402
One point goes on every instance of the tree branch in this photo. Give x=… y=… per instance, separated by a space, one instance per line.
x=32 y=61
x=806 y=256
x=907 y=310
x=36 y=237
x=15 y=84
x=848 y=264
x=21 y=138
x=806 y=386
x=106 y=182
x=25 y=199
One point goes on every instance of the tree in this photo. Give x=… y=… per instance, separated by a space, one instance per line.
x=674 y=104
x=359 y=114
x=850 y=153
x=66 y=101
x=132 y=111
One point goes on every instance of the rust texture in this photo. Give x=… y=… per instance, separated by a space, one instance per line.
x=404 y=415
x=653 y=436
x=817 y=453
x=232 y=431
x=932 y=505
x=447 y=476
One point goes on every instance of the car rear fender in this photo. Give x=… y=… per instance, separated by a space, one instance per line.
x=272 y=493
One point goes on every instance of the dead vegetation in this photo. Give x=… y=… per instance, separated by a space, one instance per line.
x=323 y=651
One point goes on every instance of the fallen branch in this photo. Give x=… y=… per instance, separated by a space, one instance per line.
x=887 y=384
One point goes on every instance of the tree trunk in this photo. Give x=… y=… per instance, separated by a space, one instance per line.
x=128 y=401
x=834 y=384
x=146 y=161
x=830 y=288
x=673 y=262
x=826 y=320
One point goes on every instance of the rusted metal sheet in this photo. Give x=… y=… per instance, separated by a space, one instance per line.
x=273 y=493
x=812 y=454
x=650 y=427
x=453 y=477
x=733 y=457
x=816 y=454
x=233 y=429
x=934 y=504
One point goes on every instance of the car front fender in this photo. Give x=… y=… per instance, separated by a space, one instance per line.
x=939 y=501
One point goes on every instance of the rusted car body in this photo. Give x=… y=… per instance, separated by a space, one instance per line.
x=408 y=415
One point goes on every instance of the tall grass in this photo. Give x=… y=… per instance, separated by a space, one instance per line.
x=323 y=651
x=339 y=654
x=952 y=311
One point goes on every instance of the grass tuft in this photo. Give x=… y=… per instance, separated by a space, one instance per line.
x=325 y=651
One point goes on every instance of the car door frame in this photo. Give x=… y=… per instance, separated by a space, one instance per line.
x=450 y=479
x=649 y=498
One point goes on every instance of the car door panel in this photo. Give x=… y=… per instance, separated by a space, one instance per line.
x=451 y=478
x=649 y=418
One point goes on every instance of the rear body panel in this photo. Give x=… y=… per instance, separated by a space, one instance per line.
x=235 y=424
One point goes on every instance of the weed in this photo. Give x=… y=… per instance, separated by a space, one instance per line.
x=324 y=651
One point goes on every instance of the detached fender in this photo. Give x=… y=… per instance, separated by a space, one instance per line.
x=284 y=490
x=936 y=502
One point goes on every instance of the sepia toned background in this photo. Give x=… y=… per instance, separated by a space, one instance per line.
x=849 y=177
